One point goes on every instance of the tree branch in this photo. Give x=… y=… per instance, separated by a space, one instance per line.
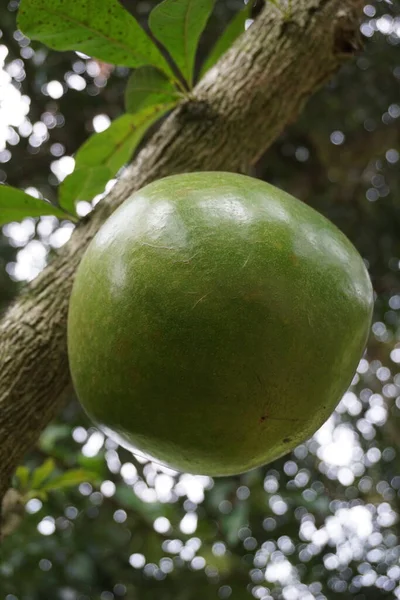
x=241 y=106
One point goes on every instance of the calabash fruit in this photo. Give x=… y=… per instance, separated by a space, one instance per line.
x=215 y=322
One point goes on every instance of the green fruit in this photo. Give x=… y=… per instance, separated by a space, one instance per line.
x=215 y=322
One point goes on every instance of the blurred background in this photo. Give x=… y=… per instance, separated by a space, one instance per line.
x=322 y=522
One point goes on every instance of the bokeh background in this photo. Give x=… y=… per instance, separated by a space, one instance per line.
x=322 y=522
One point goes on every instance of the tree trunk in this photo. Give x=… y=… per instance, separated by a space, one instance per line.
x=239 y=109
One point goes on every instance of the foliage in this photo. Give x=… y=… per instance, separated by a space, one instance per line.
x=15 y=204
x=103 y=154
x=178 y=26
x=103 y=30
x=46 y=478
x=329 y=511
x=108 y=33
x=147 y=87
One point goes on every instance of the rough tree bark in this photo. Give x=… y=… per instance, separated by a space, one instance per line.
x=240 y=108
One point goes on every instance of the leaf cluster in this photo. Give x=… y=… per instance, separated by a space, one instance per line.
x=163 y=63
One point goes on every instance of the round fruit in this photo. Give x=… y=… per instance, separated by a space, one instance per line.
x=215 y=322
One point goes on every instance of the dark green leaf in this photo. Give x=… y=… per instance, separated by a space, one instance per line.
x=178 y=24
x=146 y=87
x=42 y=473
x=70 y=479
x=16 y=205
x=103 y=154
x=234 y=29
x=102 y=29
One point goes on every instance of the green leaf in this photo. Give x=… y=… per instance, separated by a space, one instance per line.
x=40 y=494
x=99 y=28
x=42 y=473
x=233 y=30
x=94 y=464
x=83 y=184
x=103 y=154
x=52 y=435
x=70 y=479
x=178 y=24
x=22 y=474
x=16 y=205
x=146 y=87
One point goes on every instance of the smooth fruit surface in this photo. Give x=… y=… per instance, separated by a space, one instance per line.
x=215 y=322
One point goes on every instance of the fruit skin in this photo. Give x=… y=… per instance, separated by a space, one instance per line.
x=215 y=322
